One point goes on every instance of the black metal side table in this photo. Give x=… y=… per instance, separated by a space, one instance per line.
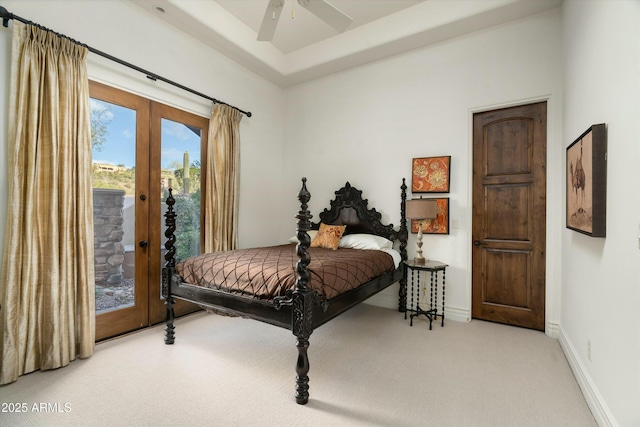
x=433 y=267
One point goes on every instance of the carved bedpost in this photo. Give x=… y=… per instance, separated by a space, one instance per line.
x=303 y=298
x=169 y=268
x=404 y=235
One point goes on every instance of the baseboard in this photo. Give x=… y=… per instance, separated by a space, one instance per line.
x=391 y=301
x=384 y=299
x=457 y=314
x=552 y=330
x=594 y=399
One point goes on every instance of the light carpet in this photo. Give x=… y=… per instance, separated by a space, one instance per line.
x=368 y=368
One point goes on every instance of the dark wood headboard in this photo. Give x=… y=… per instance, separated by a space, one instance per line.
x=350 y=209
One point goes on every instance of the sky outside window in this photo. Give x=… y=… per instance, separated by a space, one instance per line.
x=119 y=147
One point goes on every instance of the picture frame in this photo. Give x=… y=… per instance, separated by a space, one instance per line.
x=586 y=176
x=439 y=225
x=431 y=174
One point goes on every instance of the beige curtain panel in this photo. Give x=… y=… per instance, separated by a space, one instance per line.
x=47 y=281
x=222 y=179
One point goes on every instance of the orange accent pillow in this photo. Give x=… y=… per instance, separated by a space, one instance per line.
x=328 y=236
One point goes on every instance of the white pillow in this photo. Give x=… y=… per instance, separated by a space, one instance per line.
x=311 y=233
x=365 y=241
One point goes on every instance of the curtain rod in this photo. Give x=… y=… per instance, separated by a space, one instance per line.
x=5 y=15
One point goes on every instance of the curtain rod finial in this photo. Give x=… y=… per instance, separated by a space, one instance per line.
x=5 y=15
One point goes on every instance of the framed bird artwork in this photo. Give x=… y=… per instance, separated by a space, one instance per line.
x=587 y=182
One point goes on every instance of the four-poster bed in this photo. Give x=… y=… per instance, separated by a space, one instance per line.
x=298 y=290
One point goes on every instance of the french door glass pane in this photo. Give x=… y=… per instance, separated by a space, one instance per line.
x=180 y=164
x=113 y=140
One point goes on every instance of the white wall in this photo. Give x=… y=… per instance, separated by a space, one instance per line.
x=126 y=31
x=365 y=125
x=601 y=276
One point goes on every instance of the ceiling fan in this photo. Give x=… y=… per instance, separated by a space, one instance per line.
x=320 y=8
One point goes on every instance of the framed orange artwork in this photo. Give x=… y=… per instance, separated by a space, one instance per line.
x=430 y=174
x=439 y=225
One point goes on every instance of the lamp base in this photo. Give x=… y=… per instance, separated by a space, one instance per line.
x=420 y=260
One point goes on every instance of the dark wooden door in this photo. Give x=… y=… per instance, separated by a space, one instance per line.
x=509 y=215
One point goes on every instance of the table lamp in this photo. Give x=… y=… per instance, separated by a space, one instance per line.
x=421 y=210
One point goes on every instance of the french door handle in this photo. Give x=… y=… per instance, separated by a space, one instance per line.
x=143 y=243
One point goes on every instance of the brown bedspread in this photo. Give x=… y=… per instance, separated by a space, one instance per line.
x=265 y=273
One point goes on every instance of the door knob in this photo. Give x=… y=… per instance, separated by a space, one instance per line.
x=143 y=243
x=476 y=242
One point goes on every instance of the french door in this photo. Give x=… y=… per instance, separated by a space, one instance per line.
x=141 y=148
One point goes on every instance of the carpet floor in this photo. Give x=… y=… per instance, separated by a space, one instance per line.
x=368 y=368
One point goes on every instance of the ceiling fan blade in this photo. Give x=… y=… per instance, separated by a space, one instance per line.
x=328 y=13
x=270 y=20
